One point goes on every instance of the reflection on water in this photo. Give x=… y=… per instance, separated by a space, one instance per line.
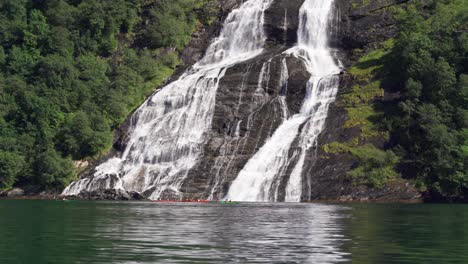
x=412 y=233
x=84 y=232
x=105 y=232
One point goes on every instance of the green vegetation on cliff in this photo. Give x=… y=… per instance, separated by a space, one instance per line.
x=425 y=67
x=72 y=70
x=375 y=167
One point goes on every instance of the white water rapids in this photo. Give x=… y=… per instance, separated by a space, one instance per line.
x=168 y=131
x=260 y=179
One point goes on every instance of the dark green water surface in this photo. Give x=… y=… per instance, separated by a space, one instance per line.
x=113 y=232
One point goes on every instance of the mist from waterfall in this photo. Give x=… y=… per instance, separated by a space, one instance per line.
x=278 y=165
x=168 y=131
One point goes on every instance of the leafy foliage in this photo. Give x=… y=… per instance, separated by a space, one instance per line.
x=429 y=127
x=10 y=167
x=376 y=167
x=71 y=70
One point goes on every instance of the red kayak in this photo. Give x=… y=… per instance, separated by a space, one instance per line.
x=181 y=201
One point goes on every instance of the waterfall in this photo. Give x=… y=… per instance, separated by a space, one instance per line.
x=169 y=130
x=264 y=174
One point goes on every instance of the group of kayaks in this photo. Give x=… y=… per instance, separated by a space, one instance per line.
x=179 y=201
x=195 y=201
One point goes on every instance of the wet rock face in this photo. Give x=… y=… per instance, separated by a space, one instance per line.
x=282 y=21
x=117 y=195
x=363 y=24
x=250 y=104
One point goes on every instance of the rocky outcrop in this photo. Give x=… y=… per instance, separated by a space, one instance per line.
x=110 y=194
x=15 y=192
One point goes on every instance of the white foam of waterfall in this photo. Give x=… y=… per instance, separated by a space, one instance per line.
x=285 y=25
x=168 y=130
x=261 y=177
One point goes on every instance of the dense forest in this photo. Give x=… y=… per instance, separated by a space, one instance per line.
x=429 y=122
x=72 y=70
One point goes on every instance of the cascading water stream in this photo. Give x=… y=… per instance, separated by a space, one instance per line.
x=260 y=179
x=168 y=131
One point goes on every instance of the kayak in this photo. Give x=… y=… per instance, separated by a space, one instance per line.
x=193 y=201
x=181 y=201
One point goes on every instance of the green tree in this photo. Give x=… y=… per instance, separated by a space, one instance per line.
x=11 y=165
x=51 y=170
x=376 y=167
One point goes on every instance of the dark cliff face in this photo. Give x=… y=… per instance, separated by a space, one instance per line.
x=363 y=24
x=246 y=115
x=282 y=22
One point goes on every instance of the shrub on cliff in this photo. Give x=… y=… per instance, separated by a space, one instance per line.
x=376 y=167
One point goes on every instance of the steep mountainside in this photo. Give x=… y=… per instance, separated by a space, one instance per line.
x=249 y=107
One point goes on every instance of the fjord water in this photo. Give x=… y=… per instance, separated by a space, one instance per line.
x=168 y=131
x=138 y=232
x=261 y=177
